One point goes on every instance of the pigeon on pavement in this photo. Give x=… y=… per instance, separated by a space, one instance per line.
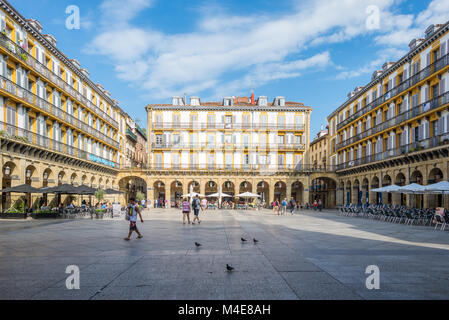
x=229 y=268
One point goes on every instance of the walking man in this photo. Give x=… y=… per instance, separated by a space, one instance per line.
x=292 y=205
x=133 y=211
x=196 y=204
x=284 y=206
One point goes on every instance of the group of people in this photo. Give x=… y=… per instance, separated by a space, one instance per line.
x=281 y=207
x=197 y=205
x=318 y=205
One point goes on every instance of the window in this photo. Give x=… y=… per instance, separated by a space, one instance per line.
x=246 y=121
x=210 y=140
x=176 y=140
x=193 y=160
x=245 y=140
x=194 y=121
x=176 y=121
x=158 y=160
x=228 y=160
x=159 y=140
x=281 y=121
x=211 y=120
x=210 y=161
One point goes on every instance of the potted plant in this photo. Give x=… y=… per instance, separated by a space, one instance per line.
x=17 y=211
x=99 y=195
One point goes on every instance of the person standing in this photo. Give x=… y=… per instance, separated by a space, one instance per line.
x=196 y=204
x=185 y=207
x=320 y=205
x=315 y=205
x=133 y=211
x=204 y=204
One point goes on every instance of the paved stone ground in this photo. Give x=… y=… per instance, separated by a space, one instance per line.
x=305 y=256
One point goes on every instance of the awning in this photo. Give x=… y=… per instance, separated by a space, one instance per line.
x=248 y=195
x=112 y=191
x=217 y=195
x=391 y=188
x=438 y=188
x=411 y=188
x=194 y=194
x=24 y=188
x=85 y=190
x=62 y=189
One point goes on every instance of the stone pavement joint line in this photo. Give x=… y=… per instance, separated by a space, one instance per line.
x=309 y=255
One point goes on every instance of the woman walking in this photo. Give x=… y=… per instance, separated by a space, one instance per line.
x=185 y=211
x=276 y=206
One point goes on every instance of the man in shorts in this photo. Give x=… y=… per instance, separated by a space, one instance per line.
x=196 y=204
x=133 y=211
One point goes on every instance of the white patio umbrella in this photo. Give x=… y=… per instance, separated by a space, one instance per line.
x=217 y=195
x=391 y=188
x=193 y=195
x=411 y=188
x=438 y=188
x=248 y=195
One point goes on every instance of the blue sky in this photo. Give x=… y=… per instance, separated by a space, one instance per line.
x=315 y=52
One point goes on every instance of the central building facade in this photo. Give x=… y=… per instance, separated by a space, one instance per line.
x=236 y=145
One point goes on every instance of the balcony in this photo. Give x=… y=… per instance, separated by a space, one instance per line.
x=131 y=134
x=399 y=89
x=254 y=168
x=35 y=101
x=20 y=135
x=226 y=126
x=419 y=110
x=229 y=146
x=414 y=147
x=23 y=56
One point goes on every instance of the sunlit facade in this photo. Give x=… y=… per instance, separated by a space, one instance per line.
x=395 y=129
x=56 y=125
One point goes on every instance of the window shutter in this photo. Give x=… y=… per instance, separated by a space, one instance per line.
x=442 y=86
x=443 y=49
x=404 y=75
x=427 y=130
x=426 y=98
x=440 y=126
x=428 y=59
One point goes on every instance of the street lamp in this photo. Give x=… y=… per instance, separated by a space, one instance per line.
x=7 y=170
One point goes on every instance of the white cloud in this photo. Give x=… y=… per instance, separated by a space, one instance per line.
x=390 y=54
x=227 y=51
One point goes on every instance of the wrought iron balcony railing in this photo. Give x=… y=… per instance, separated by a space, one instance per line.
x=22 y=93
x=131 y=134
x=400 y=88
x=259 y=168
x=413 y=147
x=11 y=132
x=40 y=68
x=399 y=119
x=230 y=146
x=225 y=126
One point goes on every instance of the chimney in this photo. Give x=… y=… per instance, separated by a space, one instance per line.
x=252 y=96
